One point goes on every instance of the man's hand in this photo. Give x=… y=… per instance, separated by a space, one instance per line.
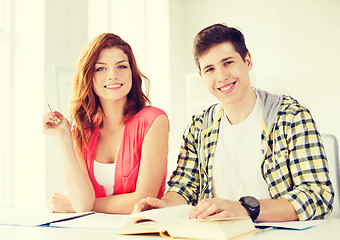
x=218 y=208
x=168 y=200
x=147 y=204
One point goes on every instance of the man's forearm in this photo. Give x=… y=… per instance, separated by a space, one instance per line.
x=173 y=199
x=275 y=210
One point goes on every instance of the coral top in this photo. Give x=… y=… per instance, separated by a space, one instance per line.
x=129 y=156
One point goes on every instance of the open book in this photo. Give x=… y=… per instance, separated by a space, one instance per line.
x=175 y=222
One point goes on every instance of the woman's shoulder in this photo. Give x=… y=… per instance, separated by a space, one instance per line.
x=149 y=112
x=143 y=120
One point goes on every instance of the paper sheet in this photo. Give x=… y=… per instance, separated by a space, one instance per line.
x=95 y=221
x=34 y=217
x=296 y=225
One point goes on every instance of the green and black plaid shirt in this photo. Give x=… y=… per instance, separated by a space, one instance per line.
x=297 y=171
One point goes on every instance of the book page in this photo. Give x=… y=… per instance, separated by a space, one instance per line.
x=176 y=222
x=141 y=228
x=34 y=217
x=164 y=215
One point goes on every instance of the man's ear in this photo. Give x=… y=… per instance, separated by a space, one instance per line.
x=200 y=73
x=248 y=61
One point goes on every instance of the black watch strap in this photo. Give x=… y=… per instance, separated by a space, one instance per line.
x=252 y=205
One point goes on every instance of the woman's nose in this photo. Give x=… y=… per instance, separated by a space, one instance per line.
x=111 y=75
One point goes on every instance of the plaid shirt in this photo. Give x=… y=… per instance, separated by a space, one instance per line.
x=297 y=171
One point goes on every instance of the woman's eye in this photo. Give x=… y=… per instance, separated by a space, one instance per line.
x=100 y=69
x=122 y=67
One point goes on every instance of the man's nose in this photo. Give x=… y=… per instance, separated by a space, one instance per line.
x=223 y=75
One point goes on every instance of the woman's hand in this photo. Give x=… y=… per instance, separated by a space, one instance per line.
x=55 y=124
x=60 y=203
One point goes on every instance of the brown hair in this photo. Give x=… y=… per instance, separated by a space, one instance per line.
x=86 y=111
x=216 y=34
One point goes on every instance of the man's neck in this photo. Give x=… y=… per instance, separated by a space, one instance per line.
x=239 y=111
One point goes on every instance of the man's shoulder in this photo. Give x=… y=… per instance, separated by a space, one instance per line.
x=286 y=103
x=290 y=105
x=207 y=117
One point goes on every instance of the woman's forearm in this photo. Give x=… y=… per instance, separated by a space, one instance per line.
x=78 y=185
x=124 y=203
x=121 y=203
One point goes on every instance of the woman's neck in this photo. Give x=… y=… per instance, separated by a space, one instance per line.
x=113 y=115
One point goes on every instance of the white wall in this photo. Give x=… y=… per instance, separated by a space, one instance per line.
x=294 y=46
x=48 y=38
x=28 y=187
x=65 y=38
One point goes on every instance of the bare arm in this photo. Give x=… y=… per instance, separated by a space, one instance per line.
x=271 y=210
x=276 y=210
x=78 y=184
x=79 y=188
x=151 y=172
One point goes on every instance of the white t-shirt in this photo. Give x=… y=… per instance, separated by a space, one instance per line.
x=238 y=157
x=105 y=175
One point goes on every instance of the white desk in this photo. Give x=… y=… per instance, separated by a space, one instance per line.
x=327 y=231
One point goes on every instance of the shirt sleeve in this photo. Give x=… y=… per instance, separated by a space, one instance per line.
x=312 y=194
x=185 y=179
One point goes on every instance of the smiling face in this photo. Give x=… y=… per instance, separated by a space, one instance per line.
x=112 y=79
x=226 y=74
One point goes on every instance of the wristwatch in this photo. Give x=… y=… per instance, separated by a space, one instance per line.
x=252 y=205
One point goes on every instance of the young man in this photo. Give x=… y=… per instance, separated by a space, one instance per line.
x=253 y=153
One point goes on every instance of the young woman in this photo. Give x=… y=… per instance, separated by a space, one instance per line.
x=115 y=152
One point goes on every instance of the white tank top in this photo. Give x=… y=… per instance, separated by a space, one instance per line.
x=105 y=175
x=238 y=156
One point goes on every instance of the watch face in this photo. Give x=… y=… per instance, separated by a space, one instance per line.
x=252 y=202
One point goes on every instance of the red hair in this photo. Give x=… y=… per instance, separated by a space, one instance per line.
x=86 y=111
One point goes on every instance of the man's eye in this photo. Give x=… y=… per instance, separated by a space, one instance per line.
x=209 y=70
x=227 y=63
